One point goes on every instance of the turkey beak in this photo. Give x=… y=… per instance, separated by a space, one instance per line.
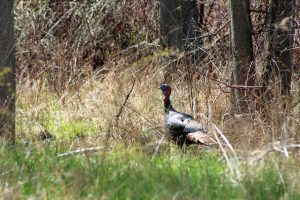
x=160 y=86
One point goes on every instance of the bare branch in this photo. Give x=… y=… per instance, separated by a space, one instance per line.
x=214 y=33
x=124 y=103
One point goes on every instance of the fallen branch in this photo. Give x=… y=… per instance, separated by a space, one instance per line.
x=276 y=146
x=79 y=151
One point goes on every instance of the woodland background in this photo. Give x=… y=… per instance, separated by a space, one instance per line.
x=87 y=74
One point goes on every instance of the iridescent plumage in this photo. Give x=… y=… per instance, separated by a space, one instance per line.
x=182 y=127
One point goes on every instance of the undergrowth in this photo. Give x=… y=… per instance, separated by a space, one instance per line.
x=76 y=64
x=38 y=172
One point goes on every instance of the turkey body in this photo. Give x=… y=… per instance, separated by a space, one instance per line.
x=182 y=127
x=179 y=125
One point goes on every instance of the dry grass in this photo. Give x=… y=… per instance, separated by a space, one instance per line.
x=77 y=62
x=76 y=65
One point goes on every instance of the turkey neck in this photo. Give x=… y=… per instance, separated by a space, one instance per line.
x=167 y=104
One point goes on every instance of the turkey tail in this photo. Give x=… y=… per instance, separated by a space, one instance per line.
x=200 y=137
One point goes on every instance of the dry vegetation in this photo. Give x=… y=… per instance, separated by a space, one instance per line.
x=77 y=62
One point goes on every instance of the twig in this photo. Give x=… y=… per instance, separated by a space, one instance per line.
x=288 y=49
x=59 y=20
x=273 y=147
x=293 y=146
x=78 y=151
x=295 y=104
x=158 y=146
x=124 y=103
x=259 y=11
x=214 y=33
x=223 y=151
x=239 y=87
x=233 y=166
x=150 y=122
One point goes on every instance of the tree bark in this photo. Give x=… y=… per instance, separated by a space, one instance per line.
x=179 y=28
x=279 y=45
x=242 y=56
x=170 y=24
x=179 y=23
x=7 y=71
x=192 y=19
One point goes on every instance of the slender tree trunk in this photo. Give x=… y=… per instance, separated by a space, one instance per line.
x=242 y=56
x=279 y=45
x=7 y=71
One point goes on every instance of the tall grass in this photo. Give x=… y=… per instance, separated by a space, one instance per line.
x=76 y=65
x=37 y=172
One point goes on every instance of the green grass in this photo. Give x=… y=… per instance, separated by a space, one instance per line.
x=128 y=168
x=58 y=94
x=37 y=172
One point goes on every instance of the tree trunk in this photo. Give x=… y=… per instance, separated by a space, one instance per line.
x=192 y=19
x=170 y=24
x=179 y=28
x=279 y=45
x=242 y=56
x=7 y=71
x=179 y=23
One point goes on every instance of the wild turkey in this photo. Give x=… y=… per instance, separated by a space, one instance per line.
x=182 y=127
